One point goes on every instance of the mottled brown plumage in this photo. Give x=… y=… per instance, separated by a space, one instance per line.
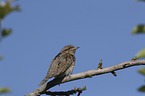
x=62 y=65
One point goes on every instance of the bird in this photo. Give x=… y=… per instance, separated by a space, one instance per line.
x=62 y=65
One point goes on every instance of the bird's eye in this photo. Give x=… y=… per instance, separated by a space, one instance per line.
x=72 y=51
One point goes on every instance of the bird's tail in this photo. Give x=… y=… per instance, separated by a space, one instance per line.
x=44 y=80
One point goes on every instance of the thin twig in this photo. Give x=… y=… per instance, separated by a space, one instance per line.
x=66 y=93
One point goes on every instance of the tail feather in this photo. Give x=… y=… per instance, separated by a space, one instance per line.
x=44 y=81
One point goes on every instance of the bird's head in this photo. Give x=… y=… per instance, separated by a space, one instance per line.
x=69 y=49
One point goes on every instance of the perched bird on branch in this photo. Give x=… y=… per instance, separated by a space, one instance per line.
x=62 y=65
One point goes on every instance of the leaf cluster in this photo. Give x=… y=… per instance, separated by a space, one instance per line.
x=140 y=29
x=6 y=8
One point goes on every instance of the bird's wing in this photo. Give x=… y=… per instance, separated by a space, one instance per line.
x=60 y=64
x=52 y=69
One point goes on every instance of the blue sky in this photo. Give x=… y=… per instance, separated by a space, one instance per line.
x=102 y=30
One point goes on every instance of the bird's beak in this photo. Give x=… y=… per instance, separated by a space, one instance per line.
x=77 y=47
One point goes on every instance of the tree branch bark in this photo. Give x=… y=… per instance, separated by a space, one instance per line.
x=66 y=93
x=83 y=75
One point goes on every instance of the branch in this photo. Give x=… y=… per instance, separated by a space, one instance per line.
x=83 y=75
x=66 y=93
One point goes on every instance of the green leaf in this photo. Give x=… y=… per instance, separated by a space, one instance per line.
x=1 y=57
x=142 y=88
x=140 y=0
x=138 y=29
x=4 y=90
x=141 y=54
x=142 y=71
x=6 y=32
x=6 y=8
